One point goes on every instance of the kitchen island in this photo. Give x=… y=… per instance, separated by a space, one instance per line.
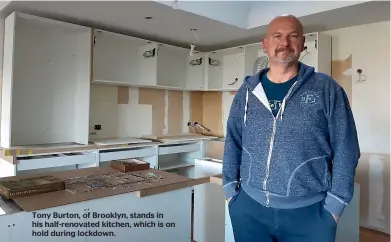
x=155 y=206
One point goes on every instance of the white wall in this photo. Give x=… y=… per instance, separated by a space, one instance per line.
x=369 y=46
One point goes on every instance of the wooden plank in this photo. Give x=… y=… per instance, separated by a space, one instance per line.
x=218 y=179
x=175 y=111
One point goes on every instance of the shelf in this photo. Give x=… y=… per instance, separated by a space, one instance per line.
x=175 y=165
x=46 y=76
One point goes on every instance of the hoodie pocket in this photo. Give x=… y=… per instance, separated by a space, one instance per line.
x=311 y=176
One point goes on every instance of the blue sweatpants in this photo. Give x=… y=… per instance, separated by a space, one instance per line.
x=253 y=222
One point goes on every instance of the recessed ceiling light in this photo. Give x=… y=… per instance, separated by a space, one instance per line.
x=148 y=17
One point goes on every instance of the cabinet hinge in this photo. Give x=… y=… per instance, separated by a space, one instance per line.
x=94 y=40
x=316 y=44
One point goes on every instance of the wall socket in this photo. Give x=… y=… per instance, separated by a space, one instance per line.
x=97 y=127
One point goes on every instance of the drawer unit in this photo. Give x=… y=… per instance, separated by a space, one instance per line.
x=126 y=153
x=179 y=148
x=30 y=162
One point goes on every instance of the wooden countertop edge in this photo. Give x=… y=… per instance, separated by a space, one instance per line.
x=4 y=152
x=216 y=180
x=173 y=186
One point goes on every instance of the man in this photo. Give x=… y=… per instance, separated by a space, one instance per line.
x=291 y=147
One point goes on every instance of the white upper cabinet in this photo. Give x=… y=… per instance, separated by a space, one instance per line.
x=46 y=82
x=225 y=69
x=178 y=69
x=123 y=60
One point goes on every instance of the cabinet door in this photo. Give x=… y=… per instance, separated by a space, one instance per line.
x=5 y=227
x=195 y=75
x=115 y=58
x=28 y=228
x=229 y=234
x=214 y=72
x=208 y=204
x=233 y=71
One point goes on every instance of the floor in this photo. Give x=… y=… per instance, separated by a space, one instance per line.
x=367 y=235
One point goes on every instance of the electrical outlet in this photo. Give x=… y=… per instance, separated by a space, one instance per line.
x=98 y=127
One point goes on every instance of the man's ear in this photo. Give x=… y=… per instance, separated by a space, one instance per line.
x=303 y=44
x=264 y=45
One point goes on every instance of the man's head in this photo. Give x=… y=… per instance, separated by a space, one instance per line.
x=284 y=40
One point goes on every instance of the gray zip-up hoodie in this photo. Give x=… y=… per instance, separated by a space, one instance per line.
x=307 y=153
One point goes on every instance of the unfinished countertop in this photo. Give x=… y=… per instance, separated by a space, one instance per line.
x=157 y=182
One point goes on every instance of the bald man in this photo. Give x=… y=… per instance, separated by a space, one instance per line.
x=291 y=147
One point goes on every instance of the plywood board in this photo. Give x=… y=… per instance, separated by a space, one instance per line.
x=53 y=199
x=207 y=109
x=212 y=113
x=196 y=107
x=341 y=71
x=175 y=112
x=123 y=95
x=156 y=98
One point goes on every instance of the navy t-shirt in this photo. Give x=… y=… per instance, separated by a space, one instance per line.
x=275 y=92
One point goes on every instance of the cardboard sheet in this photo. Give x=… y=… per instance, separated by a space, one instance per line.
x=53 y=199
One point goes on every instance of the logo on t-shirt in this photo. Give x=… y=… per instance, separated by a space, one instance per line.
x=275 y=104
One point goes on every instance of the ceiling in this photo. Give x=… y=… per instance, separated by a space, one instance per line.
x=219 y=24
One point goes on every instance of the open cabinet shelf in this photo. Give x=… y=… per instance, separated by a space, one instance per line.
x=46 y=78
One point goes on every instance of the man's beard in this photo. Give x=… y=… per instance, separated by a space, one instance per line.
x=286 y=59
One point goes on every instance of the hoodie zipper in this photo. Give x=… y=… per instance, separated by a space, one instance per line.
x=271 y=144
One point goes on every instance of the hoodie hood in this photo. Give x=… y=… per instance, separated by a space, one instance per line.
x=253 y=84
x=305 y=72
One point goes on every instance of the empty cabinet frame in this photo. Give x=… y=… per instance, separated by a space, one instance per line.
x=46 y=82
x=125 y=60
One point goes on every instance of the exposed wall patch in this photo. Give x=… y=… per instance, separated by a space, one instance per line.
x=341 y=72
x=175 y=112
x=156 y=98
x=123 y=95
